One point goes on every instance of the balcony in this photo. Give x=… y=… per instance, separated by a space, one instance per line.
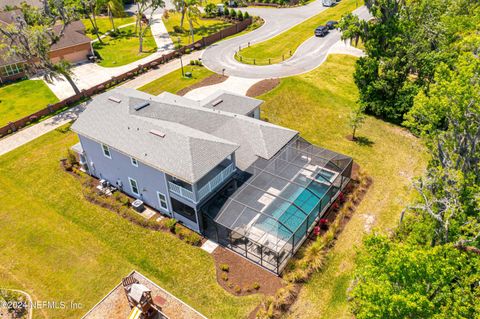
x=181 y=191
x=220 y=174
x=215 y=181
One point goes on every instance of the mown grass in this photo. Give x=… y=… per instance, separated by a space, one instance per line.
x=104 y=24
x=317 y=104
x=202 y=28
x=22 y=98
x=58 y=247
x=288 y=41
x=124 y=48
x=174 y=81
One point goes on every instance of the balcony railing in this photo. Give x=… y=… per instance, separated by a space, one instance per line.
x=214 y=182
x=179 y=190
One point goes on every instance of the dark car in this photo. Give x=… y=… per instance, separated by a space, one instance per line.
x=332 y=24
x=321 y=31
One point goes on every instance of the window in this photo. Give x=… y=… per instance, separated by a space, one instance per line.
x=162 y=199
x=11 y=69
x=134 y=186
x=106 y=151
x=134 y=161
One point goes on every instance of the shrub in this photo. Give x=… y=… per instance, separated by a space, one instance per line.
x=193 y=238
x=169 y=223
x=237 y=289
x=192 y=62
x=224 y=276
x=225 y=267
x=226 y=12
x=246 y=15
x=71 y=158
x=121 y=198
x=256 y=285
x=211 y=10
x=239 y=15
x=233 y=14
x=177 y=29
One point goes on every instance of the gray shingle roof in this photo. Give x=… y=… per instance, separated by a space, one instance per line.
x=230 y=102
x=196 y=138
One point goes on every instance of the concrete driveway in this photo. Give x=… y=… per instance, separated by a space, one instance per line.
x=307 y=57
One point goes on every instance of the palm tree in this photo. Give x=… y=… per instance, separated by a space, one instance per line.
x=192 y=12
x=114 y=8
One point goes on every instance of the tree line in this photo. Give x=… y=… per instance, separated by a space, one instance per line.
x=422 y=69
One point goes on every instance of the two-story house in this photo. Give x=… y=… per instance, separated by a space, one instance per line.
x=255 y=187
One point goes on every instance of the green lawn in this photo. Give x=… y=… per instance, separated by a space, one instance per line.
x=23 y=98
x=104 y=24
x=318 y=104
x=174 y=81
x=58 y=247
x=202 y=28
x=123 y=49
x=290 y=40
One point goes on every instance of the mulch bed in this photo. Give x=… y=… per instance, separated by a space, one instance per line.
x=243 y=273
x=211 y=80
x=262 y=87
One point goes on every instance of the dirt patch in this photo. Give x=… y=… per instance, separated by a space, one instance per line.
x=262 y=87
x=242 y=275
x=211 y=80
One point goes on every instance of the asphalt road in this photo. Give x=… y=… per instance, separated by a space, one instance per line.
x=308 y=56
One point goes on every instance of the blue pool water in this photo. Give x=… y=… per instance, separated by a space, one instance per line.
x=290 y=216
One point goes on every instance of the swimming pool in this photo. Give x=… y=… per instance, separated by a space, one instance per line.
x=309 y=200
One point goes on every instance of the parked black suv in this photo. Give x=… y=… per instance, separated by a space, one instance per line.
x=332 y=24
x=321 y=31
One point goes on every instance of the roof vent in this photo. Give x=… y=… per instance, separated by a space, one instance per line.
x=114 y=99
x=138 y=107
x=157 y=133
x=216 y=102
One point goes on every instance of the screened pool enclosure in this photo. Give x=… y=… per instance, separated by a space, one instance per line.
x=266 y=213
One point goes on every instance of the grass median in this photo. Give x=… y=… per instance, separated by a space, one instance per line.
x=280 y=46
x=175 y=81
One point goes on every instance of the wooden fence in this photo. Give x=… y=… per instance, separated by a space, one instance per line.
x=141 y=68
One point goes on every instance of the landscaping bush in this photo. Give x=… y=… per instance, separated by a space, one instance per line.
x=225 y=267
x=211 y=10
x=233 y=14
x=256 y=286
x=192 y=62
x=246 y=15
x=177 y=29
x=239 y=15
x=237 y=289
x=169 y=223
x=192 y=238
x=71 y=158
x=224 y=276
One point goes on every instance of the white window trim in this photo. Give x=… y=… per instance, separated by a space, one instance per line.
x=108 y=149
x=131 y=186
x=134 y=161
x=160 y=202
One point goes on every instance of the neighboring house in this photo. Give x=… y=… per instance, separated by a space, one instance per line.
x=74 y=46
x=255 y=187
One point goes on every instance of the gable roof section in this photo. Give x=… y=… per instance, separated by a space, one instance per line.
x=183 y=152
x=230 y=102
x=196 y=139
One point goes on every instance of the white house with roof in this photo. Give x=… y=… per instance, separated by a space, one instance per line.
x=183 y=157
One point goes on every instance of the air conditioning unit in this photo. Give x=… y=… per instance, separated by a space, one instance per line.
x=138 y=205
x=104 y=183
